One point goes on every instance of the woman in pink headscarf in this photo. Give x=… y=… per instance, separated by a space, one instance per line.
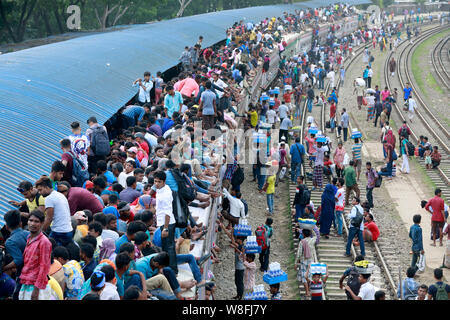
x=339 y=159
x=144 y=203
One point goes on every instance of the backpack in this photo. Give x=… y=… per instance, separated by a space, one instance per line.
x=441 y=293
x=261 y=237
x=238 y=177
x=185 y=190
x=79 y=173
x=404 y=132
x=323 y=73
x=356 y=221
x=408 y=294
x=245 y=206
x=306 y=197
x=353 y=281
x=100 y=142
x=411 y=148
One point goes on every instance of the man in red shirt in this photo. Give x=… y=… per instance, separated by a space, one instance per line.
x=36 y=261
x=437 y=215
x=79 y=199
x=332 y=116
x=371 y=231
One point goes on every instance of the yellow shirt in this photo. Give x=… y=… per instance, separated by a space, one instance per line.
x=254 y=118
x=54 y=285
x=271 y=184
x=252 y=36
x=33 y=205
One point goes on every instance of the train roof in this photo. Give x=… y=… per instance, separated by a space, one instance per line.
x=43 y=89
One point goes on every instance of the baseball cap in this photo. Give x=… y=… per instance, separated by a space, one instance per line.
x=80 y=215
x=133 y=149
x=139 y=135
x=89 y=184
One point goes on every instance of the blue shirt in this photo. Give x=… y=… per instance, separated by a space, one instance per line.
x=129 y=195
x=143 y=265
x=170 y=181
x=15 y=245
x=172 y=104
x=110 y=178
x=168 y=123
x=409 y=286
x=123 y=239
x=156 y=129
x=296 y=151
x=133 y=112
x=415 y=233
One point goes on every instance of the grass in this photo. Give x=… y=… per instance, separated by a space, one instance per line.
x=431 y=186
x=423 y=76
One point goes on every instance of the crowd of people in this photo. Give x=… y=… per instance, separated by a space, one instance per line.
x=113 y=218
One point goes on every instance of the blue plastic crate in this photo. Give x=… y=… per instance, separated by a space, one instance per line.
x=253 y=250
x=244 y=233
x=272 y=280
x=313 y=130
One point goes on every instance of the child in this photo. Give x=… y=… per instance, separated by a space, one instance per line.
x=427 y=156
x=415 y=233
x=264 y=255
x=304 y=254
x=269 y=187
x=250 y=270
x=238 y=244
x=380 y=295
x=316 y=285
x=275 y=291
x=326 y=167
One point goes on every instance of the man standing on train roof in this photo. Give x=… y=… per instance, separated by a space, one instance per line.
x=144 y=88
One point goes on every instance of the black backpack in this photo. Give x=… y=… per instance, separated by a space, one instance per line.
x=305 y=198
x=100 y=142
x=238 y=177
x=404 y=132
x=353 y=281
x=356 y=221
x=411 y=148
x=185 y=190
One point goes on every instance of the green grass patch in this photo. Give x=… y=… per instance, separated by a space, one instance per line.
x=420 y=169
x=423 y=76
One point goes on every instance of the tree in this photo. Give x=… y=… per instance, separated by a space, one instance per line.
x=109 y=6
x=183 y=6
x=15 y=19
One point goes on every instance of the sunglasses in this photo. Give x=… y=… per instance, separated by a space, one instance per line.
x=21 y=190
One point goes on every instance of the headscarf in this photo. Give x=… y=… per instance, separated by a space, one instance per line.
x=97 y=280
x=107 y=248
x=328 y=194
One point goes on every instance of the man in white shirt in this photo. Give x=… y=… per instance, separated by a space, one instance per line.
x=219 y=83
x=283 y=111
x=271 y=116
x=356 y=215
x=57 y=212
x=165 y=220
x=366 y=291
x=412 y=105
x=144 y=88
x=237 y=208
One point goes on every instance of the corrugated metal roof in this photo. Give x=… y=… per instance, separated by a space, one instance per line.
x=43 y=89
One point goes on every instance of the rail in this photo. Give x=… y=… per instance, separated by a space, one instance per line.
x=436 y=60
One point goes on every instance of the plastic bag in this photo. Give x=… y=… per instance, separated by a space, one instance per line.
x=346 y=159
x=283 y=172
x=421 y=263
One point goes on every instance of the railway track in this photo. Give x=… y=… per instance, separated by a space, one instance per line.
x=331 y=251
x=427 y=123
x=439 y=52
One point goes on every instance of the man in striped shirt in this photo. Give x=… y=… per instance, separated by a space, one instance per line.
x=356 y=150
x=316 y=285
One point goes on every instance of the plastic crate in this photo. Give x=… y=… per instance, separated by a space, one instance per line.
x=272 y=280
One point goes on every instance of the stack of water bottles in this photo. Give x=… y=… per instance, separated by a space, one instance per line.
x=316 y=268
x=252 y=246
x=356 y=134
x=258 y=293
x=243 y=229
x=275 y=274
x=264 y=97
x=307 y=223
